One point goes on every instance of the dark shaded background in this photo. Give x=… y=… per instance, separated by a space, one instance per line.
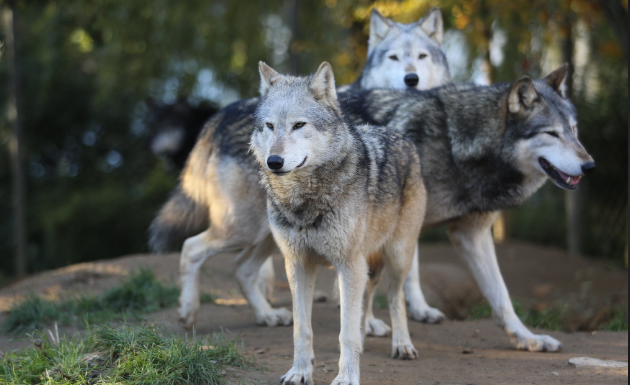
x=86 y=69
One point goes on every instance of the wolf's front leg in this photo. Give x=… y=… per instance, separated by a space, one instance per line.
x=301 y=275
x=353 y=275
x=419 y=309
x=472 y=235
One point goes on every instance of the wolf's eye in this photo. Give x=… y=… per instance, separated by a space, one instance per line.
x=394 y=57
x=298 y=125
x=270 y=126
x=552 y=133
x=422 y=56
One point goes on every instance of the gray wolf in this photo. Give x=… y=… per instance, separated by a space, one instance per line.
x=336 y=193
x=482 y=149
x=173 y=128
x=209 y=194
x=405 y=56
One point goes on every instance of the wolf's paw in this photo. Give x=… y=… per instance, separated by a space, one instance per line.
x=377 y=328
x=188 y=313
x=404 y=352
x=535 y=343
x=298 y=377
x=426 y=314
x=345 y=379
x=277 y=317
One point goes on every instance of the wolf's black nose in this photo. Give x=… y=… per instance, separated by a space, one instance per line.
x=588 y=167
x=411 y=80
x=275 y=162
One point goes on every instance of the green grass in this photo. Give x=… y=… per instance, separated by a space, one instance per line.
x=618 y=321
x=549 y=319
x=127 y=355
x=381 y=302
x=140 y=293
x=552 y=318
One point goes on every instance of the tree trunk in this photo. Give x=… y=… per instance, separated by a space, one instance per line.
x=617 y=16
x=293 y=13
x=10 y=20
x=572 y=198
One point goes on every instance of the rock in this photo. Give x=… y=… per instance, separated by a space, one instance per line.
x=588 y=361
x=594 y=363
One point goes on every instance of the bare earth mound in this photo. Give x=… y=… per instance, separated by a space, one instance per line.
x=455 y=352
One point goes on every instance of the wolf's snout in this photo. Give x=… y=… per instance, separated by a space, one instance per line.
x=411 y=80
x=275 y=162
x=588 y=167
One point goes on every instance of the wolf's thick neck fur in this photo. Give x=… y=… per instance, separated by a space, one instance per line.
x=304 y=196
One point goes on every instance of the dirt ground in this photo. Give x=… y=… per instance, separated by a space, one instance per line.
x=533 y=274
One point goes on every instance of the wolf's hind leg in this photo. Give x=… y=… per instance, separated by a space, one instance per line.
x=472 y=235
x=419 y=309
x=248 y=267
x=397 y=256
x=374 y=326
x=194 y=253
x=267 y=279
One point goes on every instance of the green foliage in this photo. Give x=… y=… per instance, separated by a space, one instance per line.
x=141 y=293
x=206 y=298
x=480 y=311
x=124 y=355
x=381 y=302
x=552 y=318
x=29 y=314
x=618 y=321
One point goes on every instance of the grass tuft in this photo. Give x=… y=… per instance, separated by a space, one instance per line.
x=557 y=317
x=124 y=355
x=140 y=293
x=550 y=319
x=619 y=320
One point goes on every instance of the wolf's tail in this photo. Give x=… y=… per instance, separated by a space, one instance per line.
x=180 y=218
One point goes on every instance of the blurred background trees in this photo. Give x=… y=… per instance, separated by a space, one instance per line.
x=87 y=68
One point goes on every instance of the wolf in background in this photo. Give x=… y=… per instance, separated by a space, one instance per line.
x=173 y=128
x=318 y=172
x=413 y=55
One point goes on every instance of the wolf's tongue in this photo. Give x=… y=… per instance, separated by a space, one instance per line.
x=572 y=180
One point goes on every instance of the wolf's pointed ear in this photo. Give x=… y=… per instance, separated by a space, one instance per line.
x=522 y=95
x=558 y=80
x=267 y=77
x=323 y=84
x=379 y=26
x=433 y=25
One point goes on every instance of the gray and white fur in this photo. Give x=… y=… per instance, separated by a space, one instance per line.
x=319 y=172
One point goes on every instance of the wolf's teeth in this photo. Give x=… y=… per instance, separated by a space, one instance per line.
x=568 y=180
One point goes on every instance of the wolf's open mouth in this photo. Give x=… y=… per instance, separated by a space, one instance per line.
x=563 y=180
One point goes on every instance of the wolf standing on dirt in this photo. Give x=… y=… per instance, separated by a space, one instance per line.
x=484 y=149
x=335 y=194
x=220 y=181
